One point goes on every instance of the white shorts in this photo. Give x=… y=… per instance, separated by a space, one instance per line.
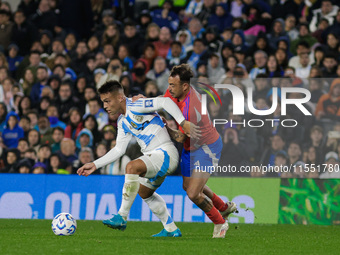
x=159 y=163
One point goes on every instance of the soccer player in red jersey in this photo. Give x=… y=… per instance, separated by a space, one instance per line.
x=198 y=153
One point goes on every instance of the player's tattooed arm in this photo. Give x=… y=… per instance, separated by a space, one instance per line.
x=177 y=135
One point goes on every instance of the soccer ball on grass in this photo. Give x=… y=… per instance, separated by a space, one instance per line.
x=64 y=224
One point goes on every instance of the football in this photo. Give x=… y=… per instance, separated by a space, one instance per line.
x=64 y=224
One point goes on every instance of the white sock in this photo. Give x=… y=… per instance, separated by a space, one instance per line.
x=158 y=206
x=130 y=191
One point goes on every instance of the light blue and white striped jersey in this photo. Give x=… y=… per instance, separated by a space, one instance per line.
x=143 y=122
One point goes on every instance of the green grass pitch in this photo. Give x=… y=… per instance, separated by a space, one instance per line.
x=92 y=237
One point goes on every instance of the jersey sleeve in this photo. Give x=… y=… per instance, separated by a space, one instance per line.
x=122 y=141
x=150 y=105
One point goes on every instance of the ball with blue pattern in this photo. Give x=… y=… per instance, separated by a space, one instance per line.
x=64 y=224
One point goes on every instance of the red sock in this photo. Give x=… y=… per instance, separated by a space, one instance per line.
x=215 y=216
x=218 y=203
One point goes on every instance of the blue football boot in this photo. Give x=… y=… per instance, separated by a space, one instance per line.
x=165 y=233
x=116 y=222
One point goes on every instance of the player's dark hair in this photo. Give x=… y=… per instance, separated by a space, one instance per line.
x=183 y=71
x=110 y=87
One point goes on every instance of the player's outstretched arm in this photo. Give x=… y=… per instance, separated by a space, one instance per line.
x=87 y=169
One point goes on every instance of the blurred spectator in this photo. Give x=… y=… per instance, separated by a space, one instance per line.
x=68 y=150
x=316 y=139
x=24 y=166
x=302 y=47
x=45 y=130
x=290 y=27
x=281 y=160
x=91 y=124
x=57 y=136
x=39 y=168
x=44 y=154
x=267 y=157
x=151 y=89
x=109 y=134
x=221 y=18
x=175 y=55
x=234 y=150
x=42 y=76
x=139 y=74
x=78 y=63
x=24 y=32
x=160 y=73
x=277 y=32
x=152 y=33
x=13 y=59
x=194 y=8
x=294 y=153
x=215 y=67
x=65 y=101
x=164 y=42
x=207 y=10
x=44 y=18
x=3 y=114
x=52 y=114
x=273 y=69
x=75 y=124
x=260 y=58
x=144 y=22
x=124 y=57
x=85 y=156
x=84 y=139
x=12 y=132
x=100 y=114
x=12 y=156
x=132 y=39
x=6 y=27
x=330 y=66
x=332 y=162
x=28 y=6
x=327 y=106
x=327 y=11
x=34 y=139
x=165 y=17
x=199 y=53
x=22 y=146
x=305 y=67
x=212 y=39
x=304 y=35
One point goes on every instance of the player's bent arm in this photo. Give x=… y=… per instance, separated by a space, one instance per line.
x=155 y=104
x=150 y=105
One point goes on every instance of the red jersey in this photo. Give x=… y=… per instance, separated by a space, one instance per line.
x=191 y=108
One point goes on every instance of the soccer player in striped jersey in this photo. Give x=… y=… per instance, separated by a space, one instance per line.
x=203 y=152
x=145 y=174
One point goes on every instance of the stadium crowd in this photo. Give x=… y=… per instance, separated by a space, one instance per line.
x=54 y=54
